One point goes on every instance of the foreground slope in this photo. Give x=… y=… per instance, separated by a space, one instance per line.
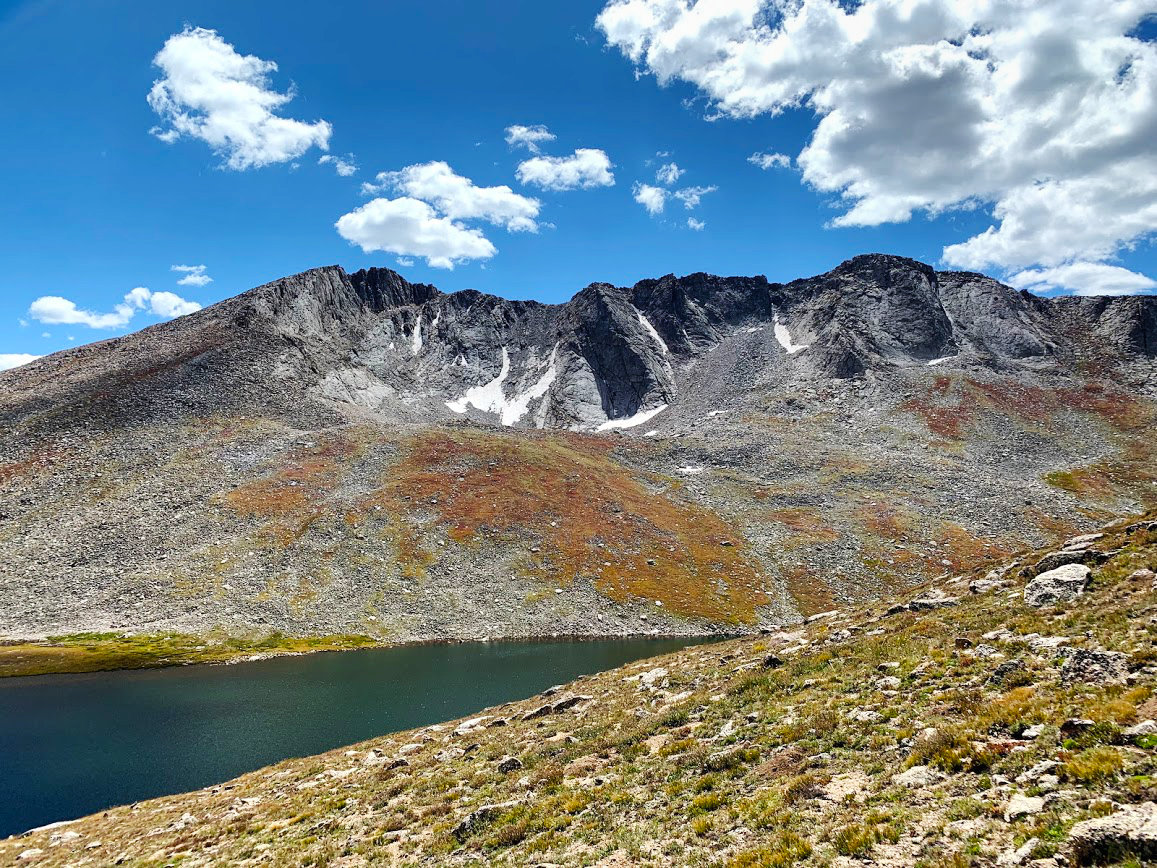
x=353 y=455
x=984 y=720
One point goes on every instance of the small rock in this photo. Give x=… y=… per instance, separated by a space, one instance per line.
x=1057 y=586
x=1019 y=856
x=509 y=764
x=30 y=853
x=962 y=642
x=1033 y=731
x=916 y=777
x=478 y=818
x=933 y=600
x=1075 y=726
x=772 y=661
x=1021 y=805
x=1143 y=575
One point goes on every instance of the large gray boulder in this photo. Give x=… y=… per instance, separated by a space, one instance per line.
x=1087 y=666
x=1060 y=585
x=1131 y=832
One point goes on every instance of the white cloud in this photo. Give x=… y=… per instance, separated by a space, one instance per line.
x=56 y=310
x=405 y=261
x=212 y=93
x=344 y=166
x=163 y=304
x=529 y=137
x=8 y=361
x=668 y=174
x=1083 y=278
x=770 y=160
x=585 y=168
x=1043 y=110
x=697 y=225
x=410 y=227
x=690 y=196
x=652 y=198
x=459 y=198
x=194 y=275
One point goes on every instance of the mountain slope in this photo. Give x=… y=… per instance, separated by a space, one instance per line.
x=966 y=724
x=338 y=453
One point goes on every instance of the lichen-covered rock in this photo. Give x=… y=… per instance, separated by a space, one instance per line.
x=1131 y=832
x=1084 y=665
x=1060 y=585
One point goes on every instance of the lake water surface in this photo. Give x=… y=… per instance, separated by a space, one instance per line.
x=74 y=744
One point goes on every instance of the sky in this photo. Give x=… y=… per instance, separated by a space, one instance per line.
x=161 y=156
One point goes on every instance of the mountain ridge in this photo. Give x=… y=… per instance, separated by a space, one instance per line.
x=333 y=454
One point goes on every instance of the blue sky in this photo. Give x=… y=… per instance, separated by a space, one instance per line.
x=96 y=206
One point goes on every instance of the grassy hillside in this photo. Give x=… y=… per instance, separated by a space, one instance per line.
x=955 y=726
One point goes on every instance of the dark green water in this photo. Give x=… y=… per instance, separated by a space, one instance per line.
x=74 y=744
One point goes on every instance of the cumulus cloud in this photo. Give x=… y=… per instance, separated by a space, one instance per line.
x=668 y=174
x=1084 y=278
x=344 y=166
x=458 y=197
x=654 y=199
x=529 y=137
x=585 y=168
x=56 y=310
x=8 y=361
x=410 y=227
x=1043 y=111
x=697 y=225
x=194 y=275
x=691 y=196
x=770 y=161
x=210 y=92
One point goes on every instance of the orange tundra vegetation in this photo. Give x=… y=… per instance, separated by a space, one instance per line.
x=296 y=495
x=952 y=404
x=581 y=514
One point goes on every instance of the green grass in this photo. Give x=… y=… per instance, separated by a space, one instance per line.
x=95 y=652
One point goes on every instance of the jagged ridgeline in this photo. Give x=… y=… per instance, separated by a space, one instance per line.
x=338 y=453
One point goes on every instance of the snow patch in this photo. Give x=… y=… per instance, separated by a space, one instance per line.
x=714 y=413
x=784 y=337
x=654 y=432
x=943 y=359
x=517 y=406
x=631 y=421
x=490 y=397
x=416 y=338
x=658 y=338
x=690 y=471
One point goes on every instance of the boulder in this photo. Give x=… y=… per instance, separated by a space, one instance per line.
x=1145 y=727
x=1019 y=856
x=1059 y=559
x=1021 y=805
x=1057 y=586
x=1129 y=833
x=509 y=764
x=932 y=600
x=917 y=776
x=478 y=818
x=1094 y=667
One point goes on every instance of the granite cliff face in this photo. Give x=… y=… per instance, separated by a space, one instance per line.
x=356 y=453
